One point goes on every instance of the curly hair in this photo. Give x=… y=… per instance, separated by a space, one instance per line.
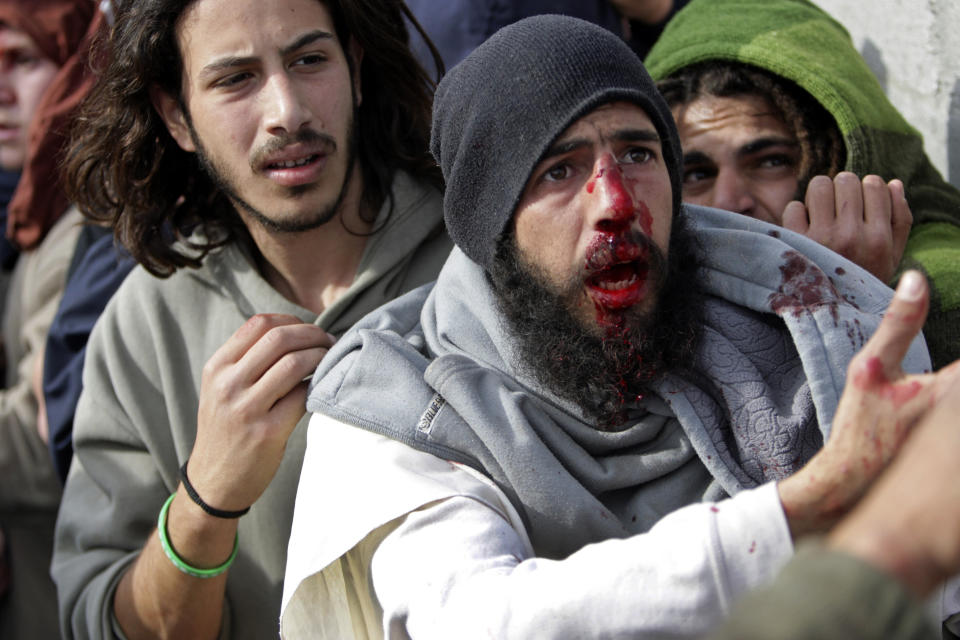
x=124 y=170
x=821 y=146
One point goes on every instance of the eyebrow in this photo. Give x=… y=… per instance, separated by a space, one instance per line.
x=231 y=62
x=752 y=147
x=696 y=157
x=760 y=144
x=621 y=135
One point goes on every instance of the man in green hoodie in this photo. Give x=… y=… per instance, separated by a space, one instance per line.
x=781 y=119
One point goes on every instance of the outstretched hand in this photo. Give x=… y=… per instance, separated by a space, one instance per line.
x=909 y=523
x=866 y=221
x=879 y=406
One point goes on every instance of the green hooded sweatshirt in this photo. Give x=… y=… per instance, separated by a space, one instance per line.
x=798 y=41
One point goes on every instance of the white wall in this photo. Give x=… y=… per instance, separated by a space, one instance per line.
x=913 y=46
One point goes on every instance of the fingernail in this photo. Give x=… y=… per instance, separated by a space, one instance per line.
x=910 y=287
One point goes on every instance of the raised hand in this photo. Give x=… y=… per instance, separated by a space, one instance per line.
x=879 y=406
x=909 y=522
x=865 y=221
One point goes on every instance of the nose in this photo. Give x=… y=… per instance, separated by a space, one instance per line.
x=7 y=94
x=615 y=209
x=285 y=108
x=731 y=191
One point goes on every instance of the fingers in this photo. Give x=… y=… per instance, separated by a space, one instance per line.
x=844 y=231
x=820 y=201
x=901 y=218
x=247 y=335
x=880 y=359
x=867 y=221
x=285 y=375
x=278 y=342
x=795 y=217
x=252 y=395
x=835 y=208
x=877 y=202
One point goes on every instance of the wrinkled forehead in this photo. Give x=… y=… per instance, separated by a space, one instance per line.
x=607 y=119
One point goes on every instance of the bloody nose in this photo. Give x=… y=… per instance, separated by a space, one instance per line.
x=617 y=206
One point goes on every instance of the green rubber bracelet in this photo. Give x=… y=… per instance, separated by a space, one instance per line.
x=177 y=560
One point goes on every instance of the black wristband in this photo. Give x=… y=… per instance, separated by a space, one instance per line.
x=219 y=513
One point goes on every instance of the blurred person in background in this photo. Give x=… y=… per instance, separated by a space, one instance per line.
x=456 y=27
x=41 y=67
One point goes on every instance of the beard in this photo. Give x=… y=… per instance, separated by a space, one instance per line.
x=305 y=222
x=602 y=374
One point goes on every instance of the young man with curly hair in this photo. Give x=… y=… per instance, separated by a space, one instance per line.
x=267 y=165
x=780 y=119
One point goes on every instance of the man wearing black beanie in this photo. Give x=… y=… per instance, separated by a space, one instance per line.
x=606 y=417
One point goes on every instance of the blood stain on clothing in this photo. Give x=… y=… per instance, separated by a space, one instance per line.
x=855 y=333
x=753 y=547
x=840 y=271
x=804 y=287
x=773 y=233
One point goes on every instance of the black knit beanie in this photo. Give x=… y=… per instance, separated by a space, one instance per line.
x=497 y=112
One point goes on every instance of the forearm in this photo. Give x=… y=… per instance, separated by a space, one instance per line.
x=155 y=599
x=472 y=573
x=823 y=594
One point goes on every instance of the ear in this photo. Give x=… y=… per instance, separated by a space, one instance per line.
x=355 y=51
x=173 y=117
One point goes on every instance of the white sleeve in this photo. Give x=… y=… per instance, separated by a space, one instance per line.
x=459 y=569
x=354 y=486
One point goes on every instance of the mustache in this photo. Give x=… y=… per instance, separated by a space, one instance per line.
x=607 y=250
x=320 y=142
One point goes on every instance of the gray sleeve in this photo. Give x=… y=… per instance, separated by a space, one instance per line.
x=820 y=595
x=106 y=515
x=121 y=473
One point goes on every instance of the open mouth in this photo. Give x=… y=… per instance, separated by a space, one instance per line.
x=617 y=269
x=292 y=164
x=619 y=286
x=616 y=278
x=296 y=171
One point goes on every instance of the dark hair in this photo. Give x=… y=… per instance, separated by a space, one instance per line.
x=816 y=131
x=124 y=169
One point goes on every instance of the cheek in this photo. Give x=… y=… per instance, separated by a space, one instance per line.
x=547 y=238
x=776 y=194
x=657 y=196
x=704 y=198
x=32 y=88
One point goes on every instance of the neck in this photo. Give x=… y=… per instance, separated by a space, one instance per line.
x=314 y=268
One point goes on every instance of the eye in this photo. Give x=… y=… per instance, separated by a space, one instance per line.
x=233 y=80
x=557 y=172
x=19 y=58
x=638 y=155
x=695 y=174
x=25 y=59
x=310 y=60
x=775 y=160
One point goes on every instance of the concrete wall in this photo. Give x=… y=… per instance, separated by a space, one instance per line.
x=913 y=47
